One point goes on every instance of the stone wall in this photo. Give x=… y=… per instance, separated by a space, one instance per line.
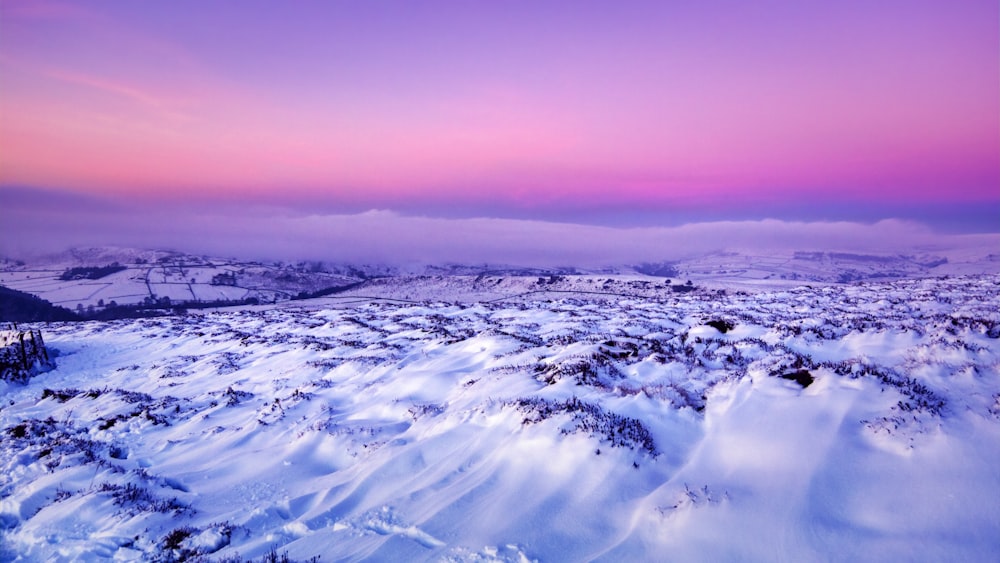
x=21 y=352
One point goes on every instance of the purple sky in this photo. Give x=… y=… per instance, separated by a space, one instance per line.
x=614 y=113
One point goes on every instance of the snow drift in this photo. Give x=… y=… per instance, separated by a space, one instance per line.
x=847 y=422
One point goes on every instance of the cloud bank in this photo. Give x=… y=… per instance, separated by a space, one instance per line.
x=32 y=228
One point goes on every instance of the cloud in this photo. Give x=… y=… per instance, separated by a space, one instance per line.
x=384 y=236
x=125 y=91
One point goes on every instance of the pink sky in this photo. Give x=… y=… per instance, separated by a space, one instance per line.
x=505 y=108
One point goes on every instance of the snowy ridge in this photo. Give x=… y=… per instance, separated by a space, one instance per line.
x=837 y=422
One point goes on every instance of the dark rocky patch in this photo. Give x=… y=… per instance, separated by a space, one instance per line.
x=802 y=377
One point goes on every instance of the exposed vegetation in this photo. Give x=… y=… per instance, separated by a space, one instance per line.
x=91 y=273
x=20 y=307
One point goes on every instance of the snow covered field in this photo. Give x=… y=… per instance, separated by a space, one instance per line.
x=152 y=275
x=845 y=422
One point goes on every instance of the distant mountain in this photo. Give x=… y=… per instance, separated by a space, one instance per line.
x=20 y=307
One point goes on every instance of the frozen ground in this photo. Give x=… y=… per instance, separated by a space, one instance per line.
x=839 y=422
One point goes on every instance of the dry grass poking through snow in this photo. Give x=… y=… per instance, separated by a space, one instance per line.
x=829 y=422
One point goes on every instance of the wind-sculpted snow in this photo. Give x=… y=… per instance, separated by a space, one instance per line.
x=845 y=422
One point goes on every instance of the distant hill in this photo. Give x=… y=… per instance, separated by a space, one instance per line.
x=20 y=307
x=112 y=282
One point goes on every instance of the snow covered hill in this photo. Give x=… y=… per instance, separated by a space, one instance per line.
x=94 y=278
x=843 y=422
x=91 y=280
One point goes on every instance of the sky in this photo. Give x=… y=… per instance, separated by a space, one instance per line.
x=615 y=114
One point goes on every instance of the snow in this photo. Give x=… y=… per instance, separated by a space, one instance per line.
x=158 y=274
x=185 y=278
x=542 y=427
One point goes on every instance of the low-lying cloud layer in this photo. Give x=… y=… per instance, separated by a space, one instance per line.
x=388 y=237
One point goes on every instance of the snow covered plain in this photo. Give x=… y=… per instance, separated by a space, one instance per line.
x=560 y=427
